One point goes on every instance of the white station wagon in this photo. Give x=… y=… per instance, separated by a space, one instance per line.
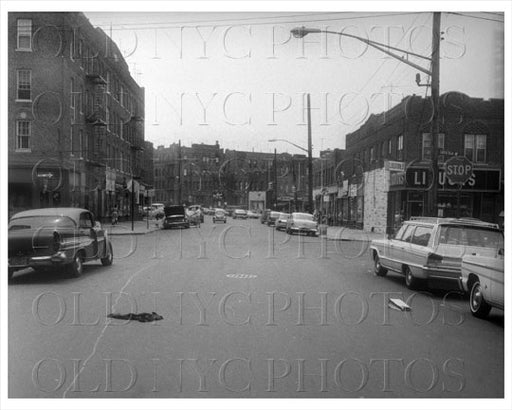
x=431 y=249
x=483 y=278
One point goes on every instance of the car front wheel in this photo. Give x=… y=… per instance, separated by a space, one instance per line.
x=108 y=259
x=479 y=307
x=76 y=267
x=379 y=269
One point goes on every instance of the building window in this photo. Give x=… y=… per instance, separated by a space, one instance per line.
x=80 y=52
x=72 y=101
x=81 y=99
x=24 y=85
x=72 y=46
x=390 y=147
x=107 y=118
x=426 y=152
x=372 y=154
x=400 y=147
x=23 y=131
x=475 y=147
x=24 y=35
x=108 y=82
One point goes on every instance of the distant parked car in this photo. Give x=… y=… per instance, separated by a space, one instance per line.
x=156 y=210
x=240 y=214
x=483 y=277
x=175 y=217
x=195 y=213
x=265 y=215
x=272 y=218
x=252 y=215
x=300 y=222
x=281 y=221
x=426 y=249
x=56 y=237
x=219 y=216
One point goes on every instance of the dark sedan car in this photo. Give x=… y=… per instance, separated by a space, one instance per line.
x=56 y=237
x=175 y=217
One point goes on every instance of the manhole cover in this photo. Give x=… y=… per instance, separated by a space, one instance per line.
x=241 y=276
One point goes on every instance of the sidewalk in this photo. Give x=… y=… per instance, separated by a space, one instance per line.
x=341 y=233
x=125 y=227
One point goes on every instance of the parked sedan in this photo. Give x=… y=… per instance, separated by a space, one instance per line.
x=281 y=221
x=240 y=214
x=195 y=214
x=252 y=215
x=431 y=249
x=301 y=223
x=175 y=217
x=483 y=278
x=272 y=218
x=56 y=237
x=219 y=216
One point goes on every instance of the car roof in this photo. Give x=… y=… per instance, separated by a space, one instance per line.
x=73 y=213
x=452 y=221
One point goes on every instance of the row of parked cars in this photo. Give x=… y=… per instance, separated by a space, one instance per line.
x=296 y=222
x=464 y=252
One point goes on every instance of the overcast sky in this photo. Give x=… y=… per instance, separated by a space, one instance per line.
x=240 y=78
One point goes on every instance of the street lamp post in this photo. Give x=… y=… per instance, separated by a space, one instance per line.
x=434 y=73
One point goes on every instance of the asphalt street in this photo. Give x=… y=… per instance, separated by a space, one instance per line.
x=247 y=312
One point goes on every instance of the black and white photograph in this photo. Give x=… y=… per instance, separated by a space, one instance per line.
x=233 y=201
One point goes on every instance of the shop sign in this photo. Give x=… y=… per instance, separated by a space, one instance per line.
x=396 y=179
x=395 y=166
x=480 y=180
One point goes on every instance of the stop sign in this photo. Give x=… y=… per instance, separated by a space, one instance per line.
x=458 y=170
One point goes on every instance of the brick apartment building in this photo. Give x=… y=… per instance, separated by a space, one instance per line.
x=215 y=177
x=388 y=175
x=76 y=117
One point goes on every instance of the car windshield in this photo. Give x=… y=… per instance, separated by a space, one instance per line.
x=221 y=213
x=470 y=236
x=306 y=217
x=284 y=216
x=40 y=221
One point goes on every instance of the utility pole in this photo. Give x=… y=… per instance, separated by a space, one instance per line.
x=436 y=41
x=310 y=158
x=275 y=178
x=179 y=173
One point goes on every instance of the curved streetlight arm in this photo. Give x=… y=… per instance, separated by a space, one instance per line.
x=289 y=142
x=300 y=32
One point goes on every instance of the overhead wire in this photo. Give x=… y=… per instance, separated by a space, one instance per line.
x=475 y=17
x=192 y=24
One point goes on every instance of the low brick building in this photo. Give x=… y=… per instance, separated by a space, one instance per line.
x=391 y=162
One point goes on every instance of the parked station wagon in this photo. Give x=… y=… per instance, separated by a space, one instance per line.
x=483 y=277
x=430 y=249
x=56 y=237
